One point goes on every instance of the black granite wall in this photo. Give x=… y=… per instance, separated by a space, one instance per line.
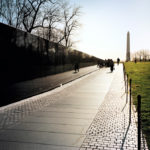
x=25 y=56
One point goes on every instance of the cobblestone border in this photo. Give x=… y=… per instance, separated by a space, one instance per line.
x=111 y=130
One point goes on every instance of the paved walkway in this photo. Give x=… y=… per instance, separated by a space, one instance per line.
x=36 y=86
x=88 y=114
x=110 y=129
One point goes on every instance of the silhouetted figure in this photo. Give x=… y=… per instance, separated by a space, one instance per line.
x=76 y=67
x=111 y=63
x=99 y=64
x=107 y=63
x=118 y=61
x=135 y=61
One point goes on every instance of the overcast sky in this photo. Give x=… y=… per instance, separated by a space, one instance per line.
x=105 y=24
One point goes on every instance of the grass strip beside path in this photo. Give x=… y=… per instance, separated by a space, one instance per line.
x=140 y=74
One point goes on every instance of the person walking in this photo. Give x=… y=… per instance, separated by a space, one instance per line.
x=111 y=65
x=118 y=61
x=76 y=67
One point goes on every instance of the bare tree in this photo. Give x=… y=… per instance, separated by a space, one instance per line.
x=19 y=6
x=145 y=54
x=141 y=55
x=56 y=19
x=7 y=11
x=11 y=12
x=60 y=20
x=52 y=16
x=133 y=56
x=70 y=23
x=33 y=14
x=24 y=14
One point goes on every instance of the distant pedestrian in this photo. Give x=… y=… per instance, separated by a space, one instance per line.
x=118 y=61
x=76 y=67
x=111 y=65
x=99 y=64
x=135 y=60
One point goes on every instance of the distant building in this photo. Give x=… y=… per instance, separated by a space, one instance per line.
x=128 y=47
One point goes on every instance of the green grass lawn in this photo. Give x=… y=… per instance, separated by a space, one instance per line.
x=140 y=74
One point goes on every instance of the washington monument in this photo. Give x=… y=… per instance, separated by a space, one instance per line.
x=128 y=47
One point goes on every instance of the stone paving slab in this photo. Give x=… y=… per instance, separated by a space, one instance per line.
x=36 y=137
x=63 y=115
x=64 y=121
x=31 y=146
x=58 y=128
x=69 y=110
x=54 y=109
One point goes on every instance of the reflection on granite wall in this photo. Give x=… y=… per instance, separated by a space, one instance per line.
x=25 y=56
